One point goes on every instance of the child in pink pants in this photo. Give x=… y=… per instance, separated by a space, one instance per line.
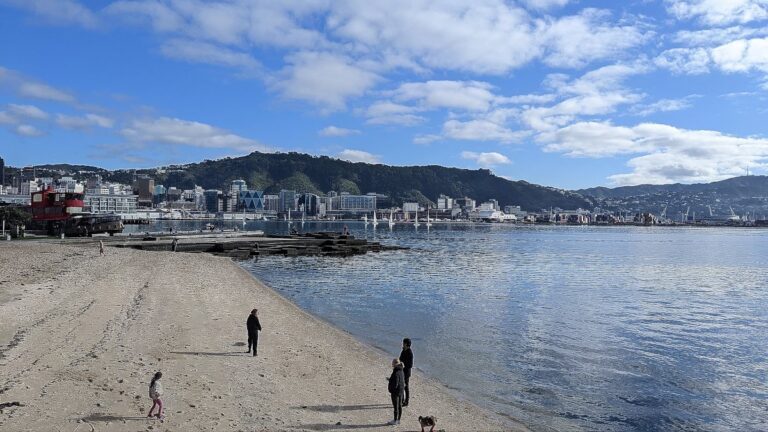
x=155 y=391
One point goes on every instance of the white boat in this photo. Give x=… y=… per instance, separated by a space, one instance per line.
x=391 y=219
x=365 y=219
x=375 y=222
x=416 y=221
x=429 y=224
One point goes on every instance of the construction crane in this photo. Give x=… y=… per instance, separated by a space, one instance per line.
x=663 y=214
x=687 y=210
x=710 y=211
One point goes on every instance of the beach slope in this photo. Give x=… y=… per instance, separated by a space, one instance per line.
x=81 y=336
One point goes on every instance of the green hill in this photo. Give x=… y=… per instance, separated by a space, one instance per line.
x=319 y=174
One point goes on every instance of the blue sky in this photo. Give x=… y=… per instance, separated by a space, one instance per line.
x=564 y=93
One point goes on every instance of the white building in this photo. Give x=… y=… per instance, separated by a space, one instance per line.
x=444 y=202
x=357 y=203
x=117 y=204
x=410 y=207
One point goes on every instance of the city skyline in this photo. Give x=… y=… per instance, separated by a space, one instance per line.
x=561 y=93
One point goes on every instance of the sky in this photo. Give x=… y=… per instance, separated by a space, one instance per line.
x=563 y=93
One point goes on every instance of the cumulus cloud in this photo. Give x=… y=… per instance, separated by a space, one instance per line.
x=486 y=160
x=689 y=61
x=479 y=130
x=464 y=95
x=203 y=52
x=719 y=12
x=173 y=131
x=324 y=79
x=742 y=55
x=665 y=154
x=27 y=111
x=85 y=122
x=58 y=11
x=385 y=112
x=664 y=105
x=359 y=156
x=28 y=131
x=333 y=131
x=575 y=41
x=545 y=4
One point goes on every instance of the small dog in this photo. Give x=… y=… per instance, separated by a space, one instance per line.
x=427 y=421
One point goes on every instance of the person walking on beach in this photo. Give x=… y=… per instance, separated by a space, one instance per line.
x=155 y=391
x=396 y=389
x=254 y=327
x=101 y=247
x=406 y=356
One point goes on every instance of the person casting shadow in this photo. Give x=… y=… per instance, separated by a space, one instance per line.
x=254 y=327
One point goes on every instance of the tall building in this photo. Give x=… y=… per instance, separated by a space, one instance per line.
x=357 y=203
x=237 y=186
x=213 y=203
x=145 y=189
x=287 y=200
x=2 y=172
x=252 y=201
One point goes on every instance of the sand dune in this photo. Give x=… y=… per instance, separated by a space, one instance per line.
x=81 y=336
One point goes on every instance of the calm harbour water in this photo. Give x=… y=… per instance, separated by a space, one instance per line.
x=564 y=328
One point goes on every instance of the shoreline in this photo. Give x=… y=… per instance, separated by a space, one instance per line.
x=87 y=332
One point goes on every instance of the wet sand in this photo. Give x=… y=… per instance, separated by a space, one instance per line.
x=81 y=336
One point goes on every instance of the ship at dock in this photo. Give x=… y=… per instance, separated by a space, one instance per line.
x=59 y=213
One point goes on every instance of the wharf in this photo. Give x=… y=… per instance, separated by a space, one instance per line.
x=244 y=245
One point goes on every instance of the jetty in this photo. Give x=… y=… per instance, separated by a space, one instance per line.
x=245 y=245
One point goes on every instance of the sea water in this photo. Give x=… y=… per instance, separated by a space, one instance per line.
x=563 y=328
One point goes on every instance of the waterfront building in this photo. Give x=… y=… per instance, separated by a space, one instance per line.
x=410 y=207
x=144 y=187
x=252 y=201
x=466 y=204
x=213 y=202
x=66 y=184
x=173 y=194
x=115 y=204
x=444 y=202
x=487 y=206
x=236 y=187
x=13 y=198
x=287 y=200
x=357 y=203
x=310 y=204
x=271 y=203
x=27 y=187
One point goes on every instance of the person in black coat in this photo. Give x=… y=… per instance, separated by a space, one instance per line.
x=396 y=389
x=406 y=356
x=254 y=327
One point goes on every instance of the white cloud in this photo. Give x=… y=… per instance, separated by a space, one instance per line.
x=719 y=12
x=165 y=130
x=575 y=41
x=664 y=105
x=385 y=112
x=27 y=111
x=28 y=131
x=42 y=91
x=742 y=55
x=665 y=154
x=690 y=61
x=426 y=139
x=203 y=52
x=333 y=131
x=324 y=79
x=716 y=36
x=359 y=156
x=479 y=130
x=486 y=159
x=464 y=95
x=58 y=11
x=85 y=122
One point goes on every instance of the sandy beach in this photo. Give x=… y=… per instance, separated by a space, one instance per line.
x=81 y=336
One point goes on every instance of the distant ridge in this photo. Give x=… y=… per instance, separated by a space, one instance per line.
x=736 y=187
x=319 y=174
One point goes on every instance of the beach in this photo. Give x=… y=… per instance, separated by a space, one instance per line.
x=81 y=336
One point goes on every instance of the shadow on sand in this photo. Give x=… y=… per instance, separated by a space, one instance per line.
x=330 y=427
x=98 y=417
x=236 y=353
x=339 y=408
